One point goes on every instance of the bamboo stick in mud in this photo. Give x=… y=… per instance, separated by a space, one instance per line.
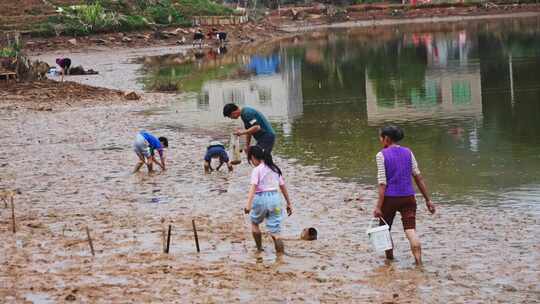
x=90 y=243
x=168 y=240
x=163 y=240
x=14 y=228
x=196 y=237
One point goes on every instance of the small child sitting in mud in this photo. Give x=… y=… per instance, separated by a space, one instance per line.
x=145 y=145
x=216 y=149
x=264 y=201
x=396 y=167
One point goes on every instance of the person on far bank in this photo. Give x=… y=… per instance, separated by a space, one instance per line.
x=264 y=201
x=64 y=64
x=145 y=146
x=396 y=168
x=256 y=125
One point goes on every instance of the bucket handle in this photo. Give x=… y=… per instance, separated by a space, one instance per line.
x=371 y=222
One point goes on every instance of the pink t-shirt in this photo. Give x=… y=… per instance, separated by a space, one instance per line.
x=265 y=179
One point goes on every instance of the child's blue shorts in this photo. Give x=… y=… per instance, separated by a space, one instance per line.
x=216 y=152
x=267 y=205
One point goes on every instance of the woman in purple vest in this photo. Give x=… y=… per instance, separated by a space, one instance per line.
x=396 y=167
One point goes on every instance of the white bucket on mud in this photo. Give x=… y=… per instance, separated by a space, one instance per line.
x=380 y=236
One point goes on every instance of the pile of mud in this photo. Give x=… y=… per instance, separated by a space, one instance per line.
x=47 y=93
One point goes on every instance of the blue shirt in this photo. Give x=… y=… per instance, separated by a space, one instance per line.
x=153 y=142
x=252 y=117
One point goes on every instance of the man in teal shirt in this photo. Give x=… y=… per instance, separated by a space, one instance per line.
x=255 y=124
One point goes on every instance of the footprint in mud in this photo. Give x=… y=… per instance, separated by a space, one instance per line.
x=219 y=191
x=159 y=200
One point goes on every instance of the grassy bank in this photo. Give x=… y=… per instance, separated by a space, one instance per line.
x=110 y=16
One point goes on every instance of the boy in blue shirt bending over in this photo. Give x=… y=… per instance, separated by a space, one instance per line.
x=145 y=145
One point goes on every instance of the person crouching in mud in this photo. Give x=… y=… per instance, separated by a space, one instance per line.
x=264 y=201
x=64 y=64
x=395 y=167
x=216 y=149
x=145 y=145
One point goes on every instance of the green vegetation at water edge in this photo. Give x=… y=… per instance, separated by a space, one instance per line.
x=185 y=77
x=110 y=16
x=12 y=49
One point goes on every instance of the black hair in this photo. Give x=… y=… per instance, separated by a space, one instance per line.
x=395 y=133
x=228 y=109
x=164 y=141
x=258 y=153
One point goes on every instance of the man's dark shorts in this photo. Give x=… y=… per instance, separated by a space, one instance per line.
x=215 y=152
x=406 y=205
x=266 y=142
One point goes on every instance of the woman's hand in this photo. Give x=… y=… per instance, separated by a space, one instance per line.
x=377 y=212
x=430 y=206
x=289 y=210
x=247 y=210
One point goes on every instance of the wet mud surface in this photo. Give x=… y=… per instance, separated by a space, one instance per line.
x=73 y=170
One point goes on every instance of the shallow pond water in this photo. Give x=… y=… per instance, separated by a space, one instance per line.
x=466 y=94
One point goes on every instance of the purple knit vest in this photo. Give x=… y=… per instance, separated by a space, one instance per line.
x=398 y=165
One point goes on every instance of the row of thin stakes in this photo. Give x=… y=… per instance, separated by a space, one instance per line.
x=166 y=238
x=166 y=247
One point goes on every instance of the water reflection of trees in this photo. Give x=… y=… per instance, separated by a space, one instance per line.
x=181 y=72
x=396 y=70
x=510 y=61
x=334 y=67
x=460 y=154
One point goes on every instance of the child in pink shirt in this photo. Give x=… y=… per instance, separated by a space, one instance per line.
x=264 y=201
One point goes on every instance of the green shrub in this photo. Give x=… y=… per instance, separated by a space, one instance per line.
x=133 y=23
x=98 y=16
x=11 y=50
x=165 y=12
x=44 y=29
x=7 y=52
x=86 y=19
x=203 y=8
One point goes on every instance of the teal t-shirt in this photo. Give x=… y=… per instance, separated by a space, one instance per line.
x=252 y=117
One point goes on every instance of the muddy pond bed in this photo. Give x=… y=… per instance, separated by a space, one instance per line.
x=466 y=95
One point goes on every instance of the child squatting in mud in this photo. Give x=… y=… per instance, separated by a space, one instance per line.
x=395 y=166
x=216 y=149
x=264 y=201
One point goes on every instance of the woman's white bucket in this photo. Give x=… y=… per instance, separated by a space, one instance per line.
x=380 y=236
